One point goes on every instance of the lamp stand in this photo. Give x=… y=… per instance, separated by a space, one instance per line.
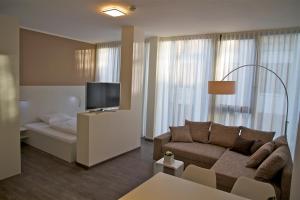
x=281 y=81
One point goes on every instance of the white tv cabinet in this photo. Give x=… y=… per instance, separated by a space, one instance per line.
x=104 y=135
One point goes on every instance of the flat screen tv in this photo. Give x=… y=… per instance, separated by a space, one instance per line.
x=101 y=96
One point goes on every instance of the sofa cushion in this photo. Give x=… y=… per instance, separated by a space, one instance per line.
x=273 y=164
x=230 y=166
x=252 y=134
x=199 y=130
x=279 y=141
x=242 y=146
x=206 y=153
x=260 y=155
x=256 y=145
x=180 y=134
x=223 y=135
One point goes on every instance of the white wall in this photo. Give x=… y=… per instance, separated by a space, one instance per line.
x=37 y=100
x=9 y=95
x=151 y=87
x=295 y=193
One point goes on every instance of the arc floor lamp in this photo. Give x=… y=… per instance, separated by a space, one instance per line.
x=228 y=87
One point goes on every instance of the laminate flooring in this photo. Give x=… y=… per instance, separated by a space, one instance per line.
x=45 y=177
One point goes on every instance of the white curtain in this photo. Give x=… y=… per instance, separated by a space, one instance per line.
x=280 y=52
x=235 y=50
x=108 y=62
x=184 y=67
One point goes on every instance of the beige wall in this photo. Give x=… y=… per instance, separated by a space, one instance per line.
x=52 y=60
x=9 y=98
x=126 y=69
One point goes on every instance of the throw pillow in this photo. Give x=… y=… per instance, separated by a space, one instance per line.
x=252 y=134
x=180 y=134
x=256 y=145
x=224 y=136
x=199 y=130
x=54 y=117
x=242 y=146
x=273 y=164
x=279 y=141
x=260 y=155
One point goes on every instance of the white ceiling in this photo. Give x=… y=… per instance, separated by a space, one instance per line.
x=78 y=19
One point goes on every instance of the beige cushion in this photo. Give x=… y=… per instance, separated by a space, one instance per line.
x=224 y=136
x=252 y=134
x=206 y=153
x=180 y=134
x=230 y=166
x=242 y=146
x=260 y=155
x=273 y=164
x=199 y=130
x=279 y=141
x=256 y=145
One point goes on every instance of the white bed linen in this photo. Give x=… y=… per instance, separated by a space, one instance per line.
x=53 y=117
x=67 y=126
x=45 y=129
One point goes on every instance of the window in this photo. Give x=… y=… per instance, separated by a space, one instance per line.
x=279 y=51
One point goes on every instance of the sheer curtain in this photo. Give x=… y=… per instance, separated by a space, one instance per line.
x=85 y=63
x=279 y=51
x=184 y=67
x=108 y=60
x=235 y=49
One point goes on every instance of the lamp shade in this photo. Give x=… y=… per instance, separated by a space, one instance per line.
x=221 y=87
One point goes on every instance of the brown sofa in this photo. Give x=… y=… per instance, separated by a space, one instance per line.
x=228 y=165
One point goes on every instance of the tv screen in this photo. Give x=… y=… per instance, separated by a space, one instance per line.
x=102 y=95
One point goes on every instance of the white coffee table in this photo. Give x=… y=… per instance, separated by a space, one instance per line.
x=175 y=168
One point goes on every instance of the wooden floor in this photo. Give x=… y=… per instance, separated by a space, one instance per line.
x=45 y=177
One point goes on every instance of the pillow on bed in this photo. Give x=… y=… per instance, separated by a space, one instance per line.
x=67 y=126
x=54 y=117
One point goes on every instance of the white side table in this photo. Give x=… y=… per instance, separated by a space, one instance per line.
x=175 y=168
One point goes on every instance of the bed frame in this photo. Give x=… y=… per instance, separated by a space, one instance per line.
x=61 y=149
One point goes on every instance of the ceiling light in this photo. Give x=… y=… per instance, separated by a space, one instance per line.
x=114 y=12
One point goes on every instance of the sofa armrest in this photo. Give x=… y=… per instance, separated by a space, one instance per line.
x=286 y=179
x=158 y=143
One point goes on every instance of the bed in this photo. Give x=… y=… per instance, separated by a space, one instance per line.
x=54 y=137
x=41 y=103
